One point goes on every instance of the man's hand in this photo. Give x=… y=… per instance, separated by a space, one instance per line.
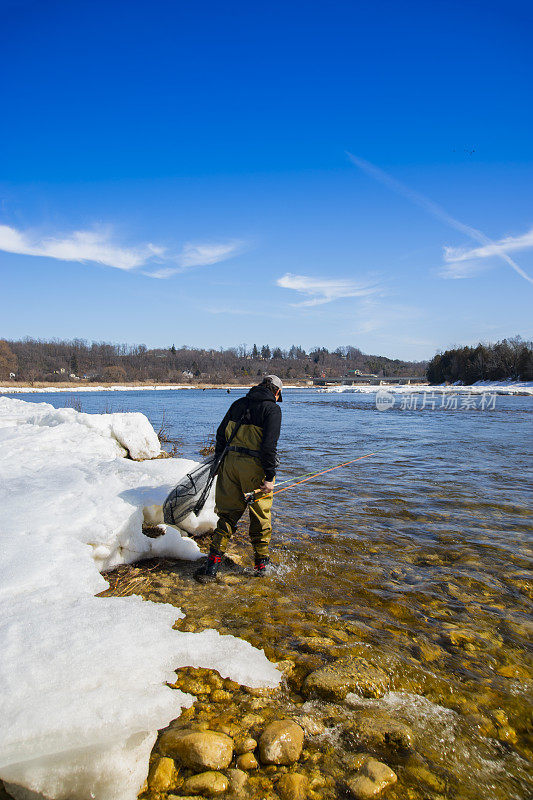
x=267 y=487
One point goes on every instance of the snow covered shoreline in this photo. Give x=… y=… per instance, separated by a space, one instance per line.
x=75 y=389
x=83 y=677
x=499 y=387
x=524 y=388
x=91 y=388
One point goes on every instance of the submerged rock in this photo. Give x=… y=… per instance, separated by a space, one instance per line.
x=470 y=640
x=292 y=786
x=281 y=742
x=311 y=725
x=427 y=651
x=354 y=761
x=315 y=644
x=378 y=732
x=371 y=780
x=423 y=775
x=161 y=775
x=198 y=749
x=351 y=674
x=206 y=784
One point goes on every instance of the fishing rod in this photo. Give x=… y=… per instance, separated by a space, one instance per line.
x=314 y=474
x=250 y=497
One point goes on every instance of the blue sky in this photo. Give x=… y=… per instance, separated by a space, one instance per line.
x=313 y=173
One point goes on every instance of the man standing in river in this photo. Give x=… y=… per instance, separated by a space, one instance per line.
x=250 y=465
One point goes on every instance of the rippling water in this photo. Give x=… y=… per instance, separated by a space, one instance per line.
x=426 y=546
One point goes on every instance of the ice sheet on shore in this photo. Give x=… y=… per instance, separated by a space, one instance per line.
x=496 y=387
x=83 y=677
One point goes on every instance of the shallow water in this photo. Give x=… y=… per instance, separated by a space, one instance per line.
x=420 y=556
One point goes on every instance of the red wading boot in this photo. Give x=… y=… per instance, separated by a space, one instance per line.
x=261 y=567
x=208 y=572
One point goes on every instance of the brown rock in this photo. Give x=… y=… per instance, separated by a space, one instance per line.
x=245 y=745
x=427 y=651
x=378 y=732
x=183 y=797
x=292 y=786
x=315 y=644
x=215 y=681
x=354 y=761
x=191 y=685
x=257 y=703
x=421 y=773
x=281 y=742
x=351 y=674
x=286 y=666
x=371 y=780
x=197 y=749
x=247 y=761
x=311 y=725
x=161 y=775
x=260 y=691
x=237 y=780
x=206 y=784
x=220 y=696
x=229 y=729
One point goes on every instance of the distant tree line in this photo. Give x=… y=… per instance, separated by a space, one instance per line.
x=508 y=359
x=55 y=361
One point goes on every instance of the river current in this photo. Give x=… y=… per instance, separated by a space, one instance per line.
x=422 y=552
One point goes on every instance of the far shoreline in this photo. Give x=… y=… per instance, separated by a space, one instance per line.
x=37 y=387
x=524 y=388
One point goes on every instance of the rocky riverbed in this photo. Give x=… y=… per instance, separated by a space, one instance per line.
x=369 y=705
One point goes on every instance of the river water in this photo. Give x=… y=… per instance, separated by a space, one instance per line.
x=419 y=556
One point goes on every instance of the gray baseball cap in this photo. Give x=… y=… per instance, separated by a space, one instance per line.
x=277 y=382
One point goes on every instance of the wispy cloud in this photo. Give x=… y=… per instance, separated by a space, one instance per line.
x=98 y=246
x=462 y=261
x=435 y=210
x=197 y=255
x=322 y=290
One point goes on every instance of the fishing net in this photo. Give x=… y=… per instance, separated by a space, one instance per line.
x=190 y=493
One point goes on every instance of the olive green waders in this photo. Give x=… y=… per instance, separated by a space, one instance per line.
x=239 y=475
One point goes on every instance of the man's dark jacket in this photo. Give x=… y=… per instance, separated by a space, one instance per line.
x=264 y=413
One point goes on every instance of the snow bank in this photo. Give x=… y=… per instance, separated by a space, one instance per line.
x=496 y=387
x=83 y=677
x=119 y=387
x=132 y=433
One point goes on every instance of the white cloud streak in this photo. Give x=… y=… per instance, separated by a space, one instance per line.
x=435 y=211
x=198 y=255
x=321 y=290
x=97 y=246
x=463 y=261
